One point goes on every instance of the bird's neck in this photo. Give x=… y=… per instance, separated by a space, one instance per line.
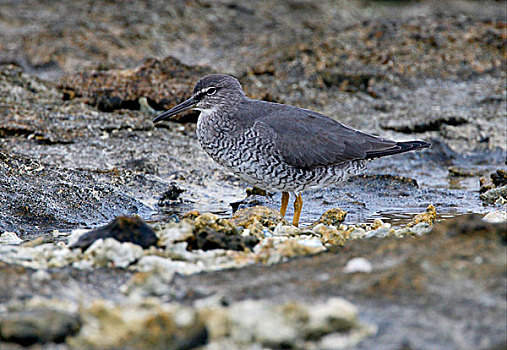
x=214 y=122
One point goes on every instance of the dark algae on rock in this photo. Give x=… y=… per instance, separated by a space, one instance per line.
x=211 y=232
x=123 y=229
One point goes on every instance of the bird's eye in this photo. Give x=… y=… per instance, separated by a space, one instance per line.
x=211 y=91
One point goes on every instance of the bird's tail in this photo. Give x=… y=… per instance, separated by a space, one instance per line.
x=399 y=147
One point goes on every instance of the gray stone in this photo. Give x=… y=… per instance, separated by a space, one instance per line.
x=10 y=238
x=496 y=216
x=38 y=326
x=494 y=194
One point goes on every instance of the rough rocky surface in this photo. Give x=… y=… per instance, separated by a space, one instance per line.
x=455 y=275
x=80 y=83
x=162 y=83
x=426 y=282
x=494 y=189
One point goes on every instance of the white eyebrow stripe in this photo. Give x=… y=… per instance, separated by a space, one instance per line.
x=203 y=90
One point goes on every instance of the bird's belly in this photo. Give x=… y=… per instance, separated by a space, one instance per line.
x=270 y=172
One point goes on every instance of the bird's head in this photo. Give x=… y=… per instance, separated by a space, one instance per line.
x=210 y=93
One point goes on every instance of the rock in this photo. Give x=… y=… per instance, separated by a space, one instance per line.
x=276 y=249
x=334 y=315
x=10 y=238
x=41 y=275
x=286 y=230
x=311 y=243
x=144 y=106
x=494 y=194
x=496 y=216
x=378 y=223
x=211 y=232
x=331 y=235
x=170 y=195
x=174 y=232
x=356 y=232
x=494 y=188
x=420 y=229
x=429 y=217
x=357 y=265
x=291 y=324
x=207 y=239
x=215 y=315
x=38 y=326
x=148 y=324
x=46 y=255
x=261 y=321
x=153 y=262
x=293 y=248
x=111 y=253
x=332 y=217
x=74 y=236
x=192 y=215
x=247 y=217
x=499 y=178
x=379 y=229
x=412 y=272
x=455 y=171
x=155 y=276
x=485 y=184
x=43 y=198
x=211 y=221
x=164 y=83
x=122 y=229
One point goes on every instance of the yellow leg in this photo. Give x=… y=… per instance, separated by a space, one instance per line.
x=298 y=205
x=285 y=202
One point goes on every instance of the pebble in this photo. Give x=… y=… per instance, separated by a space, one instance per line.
x=492 y=195
x=379 y=233
x=357 y=233
x=285 y=230
x=74 y=236
x=496 y=216
x=174 y=231
x=421 y=228
x=111 y=253
x=314 y=243
x=10 y=238
x=358 y=265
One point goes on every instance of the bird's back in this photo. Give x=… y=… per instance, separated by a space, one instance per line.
x=306 y=139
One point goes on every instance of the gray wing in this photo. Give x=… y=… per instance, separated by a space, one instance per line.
x=306 y=139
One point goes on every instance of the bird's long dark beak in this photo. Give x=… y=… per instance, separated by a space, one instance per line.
x=183 y=106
